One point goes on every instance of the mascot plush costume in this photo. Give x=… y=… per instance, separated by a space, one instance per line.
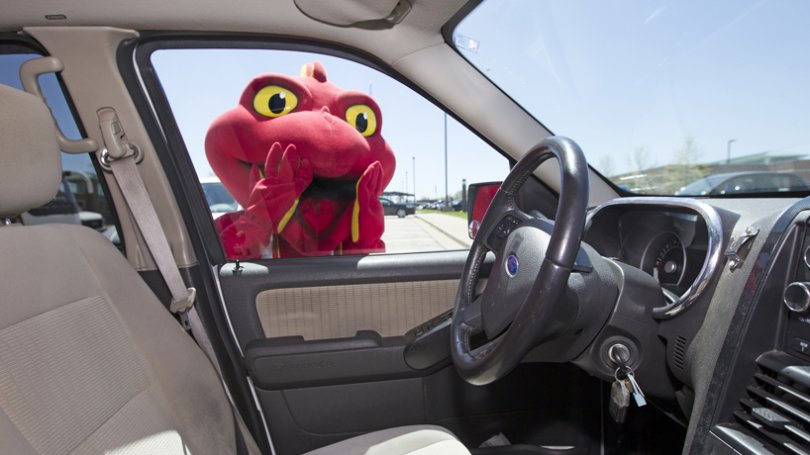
x=307 y=162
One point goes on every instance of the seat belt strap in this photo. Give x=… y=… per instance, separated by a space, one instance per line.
x=125 y=171
x=132 y=187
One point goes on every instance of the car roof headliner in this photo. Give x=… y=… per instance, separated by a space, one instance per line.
x=420 y=28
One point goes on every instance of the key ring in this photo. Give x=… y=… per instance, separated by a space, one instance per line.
x=624 y=368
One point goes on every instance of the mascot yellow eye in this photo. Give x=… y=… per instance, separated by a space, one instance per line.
x=362 y=118
x=274 y=101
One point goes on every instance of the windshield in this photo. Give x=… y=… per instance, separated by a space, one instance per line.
x=660 y=95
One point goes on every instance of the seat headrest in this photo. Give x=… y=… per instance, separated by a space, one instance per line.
x=30 y=159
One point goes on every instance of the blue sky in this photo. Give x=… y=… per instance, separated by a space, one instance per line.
x=620 y=75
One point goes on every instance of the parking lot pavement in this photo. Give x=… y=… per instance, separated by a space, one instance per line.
x=425 y=232
x=451 y=226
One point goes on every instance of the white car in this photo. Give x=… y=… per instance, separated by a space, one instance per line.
x=219 y=199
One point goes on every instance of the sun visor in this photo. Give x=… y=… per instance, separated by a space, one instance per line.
x=371 y=14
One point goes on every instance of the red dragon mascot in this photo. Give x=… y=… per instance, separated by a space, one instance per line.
x=307 y=162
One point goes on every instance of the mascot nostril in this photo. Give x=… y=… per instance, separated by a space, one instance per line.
x=306 y=190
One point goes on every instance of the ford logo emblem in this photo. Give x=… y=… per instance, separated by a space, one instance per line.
x=511 y=265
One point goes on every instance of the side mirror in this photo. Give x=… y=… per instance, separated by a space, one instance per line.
x=479 y=196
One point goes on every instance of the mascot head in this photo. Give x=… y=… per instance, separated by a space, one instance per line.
x=338 y=131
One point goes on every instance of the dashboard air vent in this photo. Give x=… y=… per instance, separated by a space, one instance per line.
x=776 y=407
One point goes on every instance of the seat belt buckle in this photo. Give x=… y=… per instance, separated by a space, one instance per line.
x=181 y=306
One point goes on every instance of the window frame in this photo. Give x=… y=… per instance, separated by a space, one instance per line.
x=141 y=78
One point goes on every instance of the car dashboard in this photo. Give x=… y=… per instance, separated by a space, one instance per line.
x=733 y=315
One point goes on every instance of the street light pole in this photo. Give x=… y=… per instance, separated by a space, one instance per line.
x=728 y=150
x=464 y=195
x=413 y=160
x=446 y=190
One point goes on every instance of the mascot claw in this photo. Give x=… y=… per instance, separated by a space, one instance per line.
x=368 y=190
x=287 y=166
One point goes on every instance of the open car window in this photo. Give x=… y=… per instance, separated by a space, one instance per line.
x=304 y=154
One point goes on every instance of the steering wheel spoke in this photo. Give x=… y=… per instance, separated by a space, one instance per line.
x=471 y=317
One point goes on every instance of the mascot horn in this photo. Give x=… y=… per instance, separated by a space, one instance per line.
x=307 y=162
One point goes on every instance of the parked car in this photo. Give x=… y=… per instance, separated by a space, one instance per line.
x=89 y=193
x=397 y=208
x=437 y=204
x=64 y=209
x=744 y=183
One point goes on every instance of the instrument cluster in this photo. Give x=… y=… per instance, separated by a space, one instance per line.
x=674 y=240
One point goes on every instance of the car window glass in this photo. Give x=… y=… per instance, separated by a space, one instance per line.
x=320 y=155
x=660 y=94
x=81 y=198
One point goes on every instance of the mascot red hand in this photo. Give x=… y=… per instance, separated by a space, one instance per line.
x=307 y=162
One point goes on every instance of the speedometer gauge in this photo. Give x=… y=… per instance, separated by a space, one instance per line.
x=665 y=259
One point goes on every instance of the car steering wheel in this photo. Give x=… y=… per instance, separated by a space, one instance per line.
x=523 y=303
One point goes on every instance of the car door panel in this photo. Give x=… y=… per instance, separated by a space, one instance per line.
x=331 y=349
